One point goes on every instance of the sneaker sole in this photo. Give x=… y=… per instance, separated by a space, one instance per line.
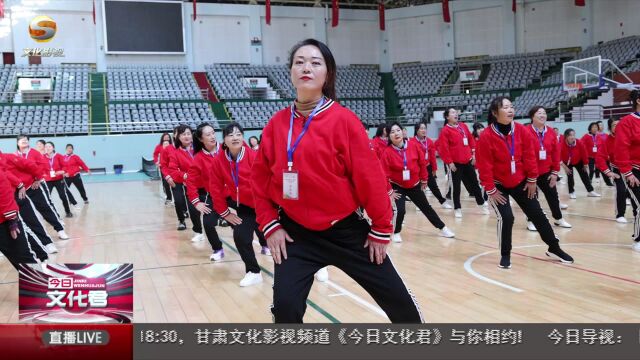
x=556 y=257
x=504 y=267
x=562 y=226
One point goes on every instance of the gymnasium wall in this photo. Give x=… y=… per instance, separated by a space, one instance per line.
x=615 y=19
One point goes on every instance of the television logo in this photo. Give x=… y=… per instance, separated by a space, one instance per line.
x=42 y=28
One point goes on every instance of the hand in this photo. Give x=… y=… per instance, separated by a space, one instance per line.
x=233 y=219
x=613 y=175
x=61 y=172
x=377 y=251
x=171 y=182
x=567 y=169
x=633 y=181
x=395 y=195
x=473 y=161
x=586 y=168
x=531 y=189
x=203 y=208
x=423 y=186
x=278 y=246
x=89 y=172
x=553 y=180
x=35 y=185
x=498 y=197
x=22 y=193
x=453 y=167
x=14 y=228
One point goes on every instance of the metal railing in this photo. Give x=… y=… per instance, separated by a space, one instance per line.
x=129 y=94
x=16 y=97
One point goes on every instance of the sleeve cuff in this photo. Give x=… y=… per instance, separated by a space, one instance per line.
x=270 y=228
x=168 y=177
x=382 y=238
x=20 y=186
x=195 y=201
x=607 y=171
x=532 y=180
x=627 y=174
x=554 y=172
x=225 y=213
x=390 y=192
x=492 y=191
x=10 y=215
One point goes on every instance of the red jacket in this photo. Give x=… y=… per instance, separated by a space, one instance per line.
x=393 y=164
x=8 y=205
x=334 y=179
x=37 y=158
x=606 y=155
x=493 y=158
x=451 y=144
x=165 y=156
x=590 y=142
x=379 y=145
x=199 y=173
x=627 y=144
x=25 y=170
x=180 y=161
x=156 y=153
x=73 y=164
x=56 y=164
x=551 y=149
x=577 y=153
x=428 y=148
x=222 y=184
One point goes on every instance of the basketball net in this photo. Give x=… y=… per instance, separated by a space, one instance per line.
x=573 y=89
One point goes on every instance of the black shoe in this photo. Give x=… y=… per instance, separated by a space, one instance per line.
x=505 y=262
x=224 y=223
x=186 y=214
x=558 y=254
x=69 y=215
x=86 y=201
x=182 y=226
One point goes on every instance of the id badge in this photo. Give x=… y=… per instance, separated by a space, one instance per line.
x=290 y=185
x=543 y=154
x=52 y=173
x=426 y=155
x=513 y=166
x=465 y=141
x=595 y=149
x=406 y=175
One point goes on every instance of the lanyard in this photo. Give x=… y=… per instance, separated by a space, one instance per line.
x=512 y=148
x=189 y=151
x=67 y=158
x=459 y=128
x=51 y=161
x=292 y=149
x=571 y=151
x=424 y=144
x=402 y=152
x=595 y=140
x=235 y=176
x=540 y=135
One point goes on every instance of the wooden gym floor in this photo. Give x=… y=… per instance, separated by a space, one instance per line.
x=454 y=280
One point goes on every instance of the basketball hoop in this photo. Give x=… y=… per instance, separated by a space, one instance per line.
x=573 y=89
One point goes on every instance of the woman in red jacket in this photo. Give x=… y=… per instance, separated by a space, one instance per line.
x=73 y=164
x=508 y=167
x=606 y=163
x=180 y=160
x=406 y=169
x=457 y=147
x=380 y=140
x=165 y=141
x=547 y=152
x=54 y=175
x=591 y=141
x=429 y=150
x=14 y=243
x=574 y=156
x=230 y=188
x=206 y=149
x=627 y=150
x=310 y=182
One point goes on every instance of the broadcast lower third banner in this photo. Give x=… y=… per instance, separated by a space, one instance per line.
x=320 y=341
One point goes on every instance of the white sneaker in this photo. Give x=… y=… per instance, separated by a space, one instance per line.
x=593 y=194
x=531 y=227
x=564 y=206
x=572 y=195
x=396 y=238
x=621 y=220
x=63 y=235
x=77 y=206
x=485 y=209
x=217 y=255
x=562 y=223
x=636 y=246
x=628 y=202
x=446 y=205
x=51 y=248
x=322 y=275
x=251 y=279
x=197 y=237
x=457 y=213
x=446 y=232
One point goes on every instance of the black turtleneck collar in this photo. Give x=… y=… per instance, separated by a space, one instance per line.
x=504 y=129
